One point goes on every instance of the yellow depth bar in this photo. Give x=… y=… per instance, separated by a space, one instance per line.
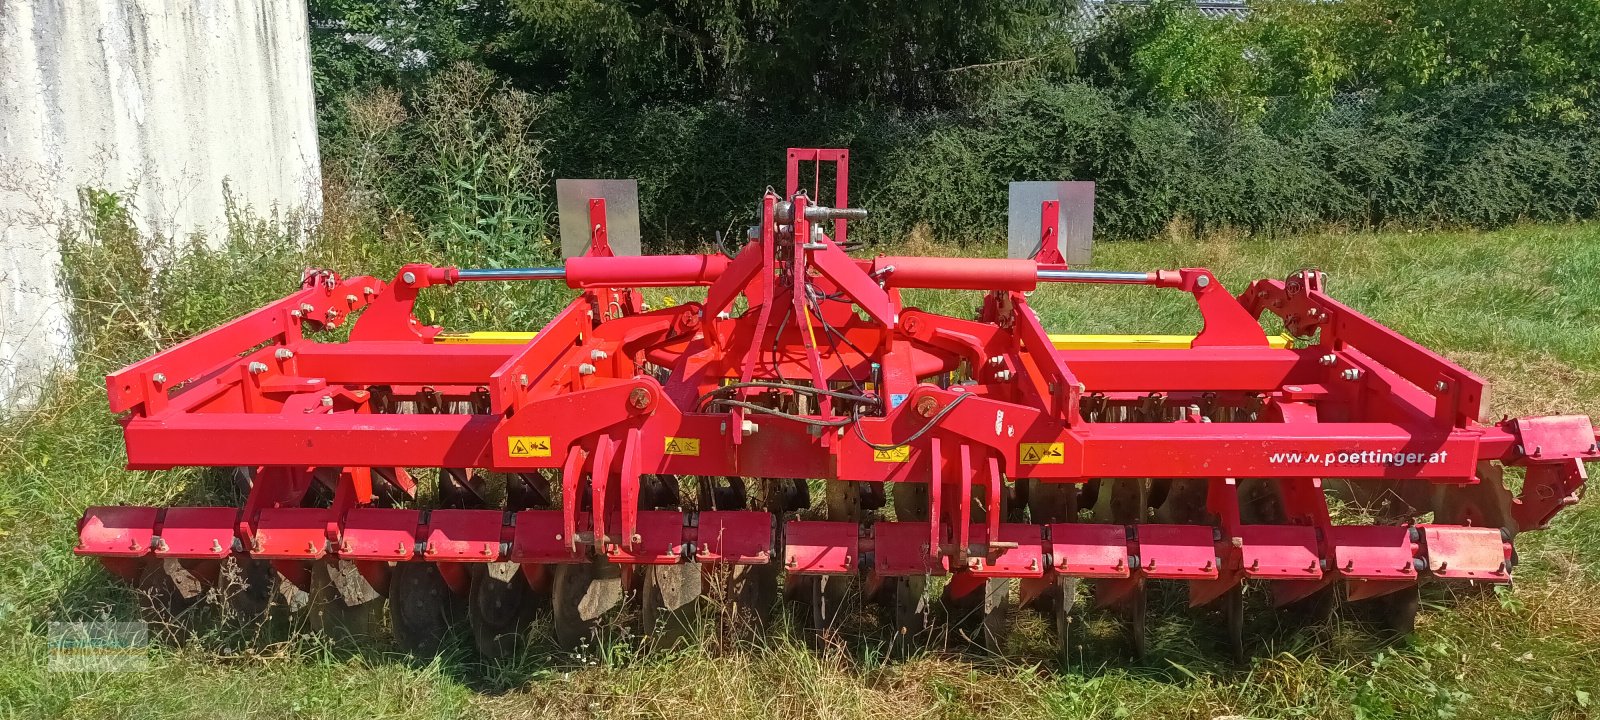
x=1062 y=342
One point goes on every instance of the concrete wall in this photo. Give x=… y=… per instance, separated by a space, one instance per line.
x=165 y=100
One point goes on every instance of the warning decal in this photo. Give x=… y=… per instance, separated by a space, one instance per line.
x=892 y=455
x=1043 y=453
x=522 y=446
x=683 y=446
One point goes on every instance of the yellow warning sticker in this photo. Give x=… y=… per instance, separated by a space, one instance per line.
x=683 y=446
x=529 y=445
x=892 y=455
x=1043 y=453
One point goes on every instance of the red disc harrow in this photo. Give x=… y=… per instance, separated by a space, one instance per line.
x=803 y=432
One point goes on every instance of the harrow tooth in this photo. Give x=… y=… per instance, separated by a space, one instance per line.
x=913 y=608
x=343 y=602
x=581 y=595
x=994 y=624
x=1012 y=463
x=1063 y=601
x=748 y=593
x=1396 y=611
x=171 y=598
x=422 y=607
x=250 y=588
x=500 y=607
x=1232 y=605
x=667 y=600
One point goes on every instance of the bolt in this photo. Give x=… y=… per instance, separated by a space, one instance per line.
x=597 y=355
x=1351 y=374
x=256 y=368
x=409 y=277
x=311 y=546
x=585 y=369
x=926 y=406
x=749 y=428
x=997 y=360
x=159 y=378
x=522 y=380
x=350 y=299
x=1441 y=386
x=216 y=545
x=332 y=313
x=327 y=401
x=283 y=353
x=1202 y=281
x=157 y=544
x=488 y=549
x=639 y=398
x=1442 y=566
x=368 y=291
x=400 y=548
x=1003 y=375
x=296 y=314
x=1328 y=359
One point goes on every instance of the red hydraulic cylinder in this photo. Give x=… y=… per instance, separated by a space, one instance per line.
x=644 y=271
x=957 y=273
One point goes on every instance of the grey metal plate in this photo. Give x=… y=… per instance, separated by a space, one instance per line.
x=622 y=214
x=1077 y=218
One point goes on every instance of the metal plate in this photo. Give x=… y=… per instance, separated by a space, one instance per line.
x=1466 y=553
x=821 y=547
x=1026 y=560
x=116 y=531
x=660 y=540
x=1089 y=550
x=463 y=535
x=379 y=534
x=538 y=539
x=901 y=548
x=1076 y=224
x=1372 y=552
x=1280 y=552
x=1177 y=552
x=735 y=536
x=291 y=533
x=1560 y=437
x=198 y=532
x=622 y=214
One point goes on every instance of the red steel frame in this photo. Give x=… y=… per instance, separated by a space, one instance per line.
x=609 y=392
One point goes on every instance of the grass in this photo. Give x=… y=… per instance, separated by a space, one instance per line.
x=1520 y=306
